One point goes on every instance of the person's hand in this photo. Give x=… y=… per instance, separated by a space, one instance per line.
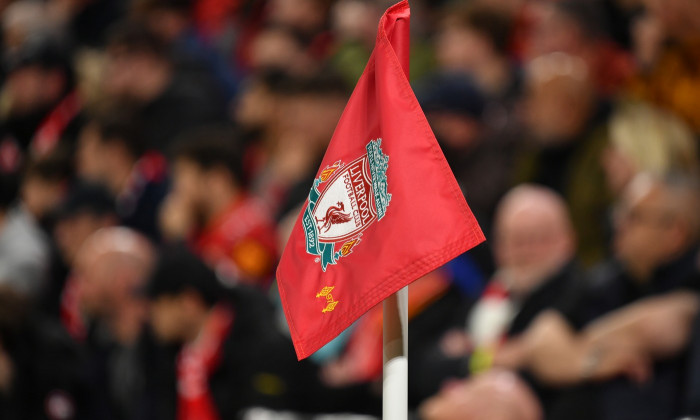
x=494 y=395
x=606 y=363
x=512 y=354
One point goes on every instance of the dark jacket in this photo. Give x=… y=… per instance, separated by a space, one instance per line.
x=610 y=288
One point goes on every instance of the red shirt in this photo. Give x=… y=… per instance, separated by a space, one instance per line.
x=241 y=242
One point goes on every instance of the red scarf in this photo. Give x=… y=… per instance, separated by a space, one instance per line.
x=71 y=318
x=196 y=362
x=49 y=132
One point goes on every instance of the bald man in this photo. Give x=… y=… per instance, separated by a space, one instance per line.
x=533 y=238
x=534 y=247
x=111 y=268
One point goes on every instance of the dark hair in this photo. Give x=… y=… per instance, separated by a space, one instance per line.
x=301 y=39
x=492 y=23
x=86 y=197
x=120 y=125
x=54 y=167
x=587 y=15
x=178 y=270
x=324 y=83
x=8 y=190
x=453 y=93
x=45 y=53
x=135 y=37
x=213 y=147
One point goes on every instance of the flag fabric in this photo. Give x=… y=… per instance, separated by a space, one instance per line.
x=384 y=210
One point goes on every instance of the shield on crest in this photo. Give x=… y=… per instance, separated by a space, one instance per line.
x=346 y=206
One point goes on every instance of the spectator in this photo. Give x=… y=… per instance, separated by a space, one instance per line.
x=255 y=110
x=172 y=21
x=566 y=124
x=306 y=113
x=534 y=246
x=280 y=47
x=582 y=29
x=44 y=106
x=111 y=152
x=111 y=267
x=86 y=209
x=473 y=40
x=40 y=367
x=44 y=185
x=456 y=108
x=140 y=70
x=210 y=206
x=28 y=251
x=232 y=356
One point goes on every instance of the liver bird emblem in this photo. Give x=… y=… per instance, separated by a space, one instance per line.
x=334 y=216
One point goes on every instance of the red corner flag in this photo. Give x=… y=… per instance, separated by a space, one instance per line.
x=384 y=209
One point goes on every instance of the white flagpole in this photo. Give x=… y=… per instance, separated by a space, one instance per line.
x=395 y=385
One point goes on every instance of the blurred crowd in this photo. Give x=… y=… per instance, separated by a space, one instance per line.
x=154 y=156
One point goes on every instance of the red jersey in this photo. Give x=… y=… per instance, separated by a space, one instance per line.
x=241 y=242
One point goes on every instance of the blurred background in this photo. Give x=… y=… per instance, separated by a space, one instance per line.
x=154 y=155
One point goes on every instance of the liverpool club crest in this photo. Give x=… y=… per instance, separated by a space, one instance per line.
x=344 y=201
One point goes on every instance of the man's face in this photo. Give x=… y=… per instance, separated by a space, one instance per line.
x=92 y=278
x=274 y=48
x=255 y=107
x=553 y=31
x=301 y=14
x=166 y=318
x=311 y=115
x=461 y=49
x=71 y=232
x=552 y=112
x=530 y=247
x=190 y=184
x=91 y=155
x=533 y=239
x=646 y=228
x=125 y=74
x=42 y=195
x=27 y=89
